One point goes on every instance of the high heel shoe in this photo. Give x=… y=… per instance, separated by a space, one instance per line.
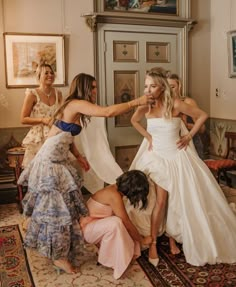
x=154 y=261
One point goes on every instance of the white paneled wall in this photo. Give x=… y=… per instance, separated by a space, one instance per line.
x=222 y=101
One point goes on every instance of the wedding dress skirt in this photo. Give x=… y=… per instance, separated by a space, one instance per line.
x=93 y=143
x=198 y=214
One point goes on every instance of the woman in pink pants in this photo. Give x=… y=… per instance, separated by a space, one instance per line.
x=109 y=226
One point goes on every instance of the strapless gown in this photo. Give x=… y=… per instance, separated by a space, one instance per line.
x=198 y=214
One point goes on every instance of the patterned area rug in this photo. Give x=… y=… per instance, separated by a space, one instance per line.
x=14 y=268
x=174 y=271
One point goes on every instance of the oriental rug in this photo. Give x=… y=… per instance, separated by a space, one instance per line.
x=14 y=268
x=175 y=271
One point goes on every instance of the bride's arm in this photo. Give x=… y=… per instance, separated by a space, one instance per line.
x=138 y=115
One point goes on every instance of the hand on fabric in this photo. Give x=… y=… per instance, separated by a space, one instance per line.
x=46 y=121
x=150 y=144
x=184 y=141
x=83 y=162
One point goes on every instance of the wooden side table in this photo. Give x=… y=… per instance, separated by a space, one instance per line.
x=15 y=157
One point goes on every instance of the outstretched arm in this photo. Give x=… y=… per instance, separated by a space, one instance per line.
x=87 y=108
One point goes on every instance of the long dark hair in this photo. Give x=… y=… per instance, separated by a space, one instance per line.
x=80 y=89
x=134 y=184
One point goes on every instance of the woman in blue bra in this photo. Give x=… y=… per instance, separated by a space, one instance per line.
x=54 y=201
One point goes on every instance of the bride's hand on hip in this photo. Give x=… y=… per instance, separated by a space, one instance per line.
x=184 y=141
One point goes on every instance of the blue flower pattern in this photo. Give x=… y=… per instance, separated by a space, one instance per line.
x=54 y=200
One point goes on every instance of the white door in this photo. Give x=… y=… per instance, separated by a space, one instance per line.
x=124 y=56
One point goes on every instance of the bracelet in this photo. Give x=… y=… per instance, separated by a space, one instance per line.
x=154 y=242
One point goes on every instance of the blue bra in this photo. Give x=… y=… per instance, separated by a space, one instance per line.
x=74 y=129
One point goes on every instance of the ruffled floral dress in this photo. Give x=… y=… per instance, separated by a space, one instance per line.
x=37 y=133
x=54 y=200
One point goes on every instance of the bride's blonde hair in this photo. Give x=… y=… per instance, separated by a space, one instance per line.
x=159 y=76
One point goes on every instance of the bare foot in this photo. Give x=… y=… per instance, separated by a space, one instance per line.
x=174 y=249
x=65 y=265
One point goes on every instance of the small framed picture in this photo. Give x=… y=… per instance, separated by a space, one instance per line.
x=232 y=53
x=23 y=54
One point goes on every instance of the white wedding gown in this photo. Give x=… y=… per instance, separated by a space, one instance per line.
x=198 y=214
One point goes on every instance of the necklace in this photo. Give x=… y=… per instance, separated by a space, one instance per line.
x=47 y=95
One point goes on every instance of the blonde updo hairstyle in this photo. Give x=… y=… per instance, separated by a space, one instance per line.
x=158 y=74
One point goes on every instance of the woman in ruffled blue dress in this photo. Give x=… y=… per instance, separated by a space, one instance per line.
x=54 y=201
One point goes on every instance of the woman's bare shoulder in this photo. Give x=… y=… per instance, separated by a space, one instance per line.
x=107 y=195
x=190 y=101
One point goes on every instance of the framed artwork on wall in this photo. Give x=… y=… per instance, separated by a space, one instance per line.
x=23 y=54
x=232 y=53
x=169 y=7
x=179 y=8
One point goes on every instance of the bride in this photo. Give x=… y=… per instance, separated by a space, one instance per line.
x=198 y=215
